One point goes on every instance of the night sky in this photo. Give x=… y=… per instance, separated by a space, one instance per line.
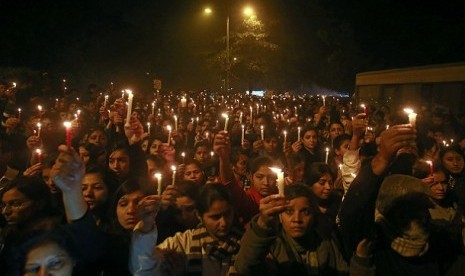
x=320 y=42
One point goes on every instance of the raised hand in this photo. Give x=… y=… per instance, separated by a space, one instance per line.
x=68 y=170
x=147 y=209
x=270 y=207
x=222 y=144
x=134 y=131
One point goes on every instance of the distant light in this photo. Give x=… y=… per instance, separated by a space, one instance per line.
x=207 y=11
x=248 y=11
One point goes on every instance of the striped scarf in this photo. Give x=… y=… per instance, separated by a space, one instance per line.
x=205 y=245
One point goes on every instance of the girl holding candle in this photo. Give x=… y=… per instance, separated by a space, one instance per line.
x=309 y=146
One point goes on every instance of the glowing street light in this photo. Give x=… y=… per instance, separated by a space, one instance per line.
x=248 y=11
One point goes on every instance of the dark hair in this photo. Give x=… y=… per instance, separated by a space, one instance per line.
x=449 y=149
x=188 y=188
x=236 y=153
x=337 y=123
x=425 y=143
x=209 y=194
x=314 y=171
x=340 y=139
x=203 y=143
x=294 y=159
x=297 y=190
x=259 y=162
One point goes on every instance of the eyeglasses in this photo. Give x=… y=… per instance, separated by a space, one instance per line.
x=15 y=204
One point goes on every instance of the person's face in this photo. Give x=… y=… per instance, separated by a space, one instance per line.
x=84 y=154
x=98 y=138
x=298 y=172
x=438 y=136
x=335 y=130
x=439 y=187
x=322 y=188
x=264 y=181
x=155 y=147
x=462 y=144
x=453 y=162
x=202 y=155
x=219 y=218
x=297 y=218
x=369 y=137
x=144 y=145
x=343 y=148
x=48 y=180
x=16 y=207
x=241 y=165
x=48 y=259
x=258 y=123
x=119 y=163
x=310 y=139
x=186 y=214
x=193 y=173
x=94 y=190
x=270 y=145
x=126 y=210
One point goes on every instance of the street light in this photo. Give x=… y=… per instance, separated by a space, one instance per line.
x=248 y=11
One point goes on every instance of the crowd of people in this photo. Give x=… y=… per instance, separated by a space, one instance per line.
x=194 y=183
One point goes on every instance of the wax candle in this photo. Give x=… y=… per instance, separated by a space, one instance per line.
x=387 y=127
x=412 y=116
x=240 y=118
x=105 y=100
x=251 y=115
x=431 y=168
x=148 y=128
x=183 y=102
x=324 y=100
x=364 y=109
x=173 y=180
x=129 y=111
x=158 y=177
x=19 y=113
x=262 y=132
x=183 y=155
x=175 y=122
x=327 y=154
x=39 y=155
x=168 y=127
x=122 y=94
x=298 y=133
x=285 y=137
x=226 y=119
x=39 y=126
x=39 y=108
x=153 y=108
x=67 y=125
x=243 y=134
x=280 y=181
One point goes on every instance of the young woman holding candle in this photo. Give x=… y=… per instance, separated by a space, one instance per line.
x=309 y=146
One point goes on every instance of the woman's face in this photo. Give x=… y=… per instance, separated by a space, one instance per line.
x=126 y=209
x=297 y=218
x=439 y=186
x=322 y=188
x=193 y=173
x=48 y=259
x=453 y=162
x=335 y=130
x=155 y=147
x=264 y=181
x=16 y=207
x=99 y=138
x=84 y=154
x=119 y=163
x=310 y=139
x=270 y=145
x=298 y=172
x=185 y=212
x=94 y=190
x=343 y=148
x=144 y=145
x=241 y=165
x=201 y=154
x=219 y=218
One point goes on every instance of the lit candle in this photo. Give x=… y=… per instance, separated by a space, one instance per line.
x=39 y=126
x=285 y=137
x=258 y=108
x=280 y=181
x=412 y=116
x=175 y=122
x=431 y=168
x=226 y=119
x=13 y=84
x=387 y=127
x=158 y=177
x=251 y=115
x=173 y=180
x=327 y=154
x=183 y=102
x=298 y=133
x=168 y=127
x=39 y=108
x=153 y=108
x=39 y=155
x=212 y=154
x=67 y=125
x=240 y=118
x=324 y=100
x=148 y=128
x=122 y=94
x=129 y=112
x=243 y=134
x=183 y=155
x=364 y=109
x=78 y=113
x=340 y=168
x=262 y=132
x=19 y=113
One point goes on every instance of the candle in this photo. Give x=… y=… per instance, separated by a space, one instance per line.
x=168 y=127
x=431 y=168
x=340 y=168
x=122 y=94
x=251 y=115
x=280 y=181
x=153 y=108
x=105 y=101
x=39 y=108
x=285 y=137
x=243 y=134
x=175 y=122
x=13 y=84
x=183 y=102
x=183 y=154
x=212 y=154
x=298 y=133
x=129 y=111
x=67 y=125
x=258 y=108
x=148 y=128
x=262 y=132
x=19 y=113
x=78 y=113
x=226 y=119
x=364 y=109
x=412 y=116
x=324 y=100
x=173 y=180
x=327 y=154
x=39 y=155
x=158 y=177
x=39 y=126
x=240 y=118
x=387 y=127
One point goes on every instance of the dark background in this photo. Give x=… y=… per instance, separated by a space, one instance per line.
x=321 y=43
